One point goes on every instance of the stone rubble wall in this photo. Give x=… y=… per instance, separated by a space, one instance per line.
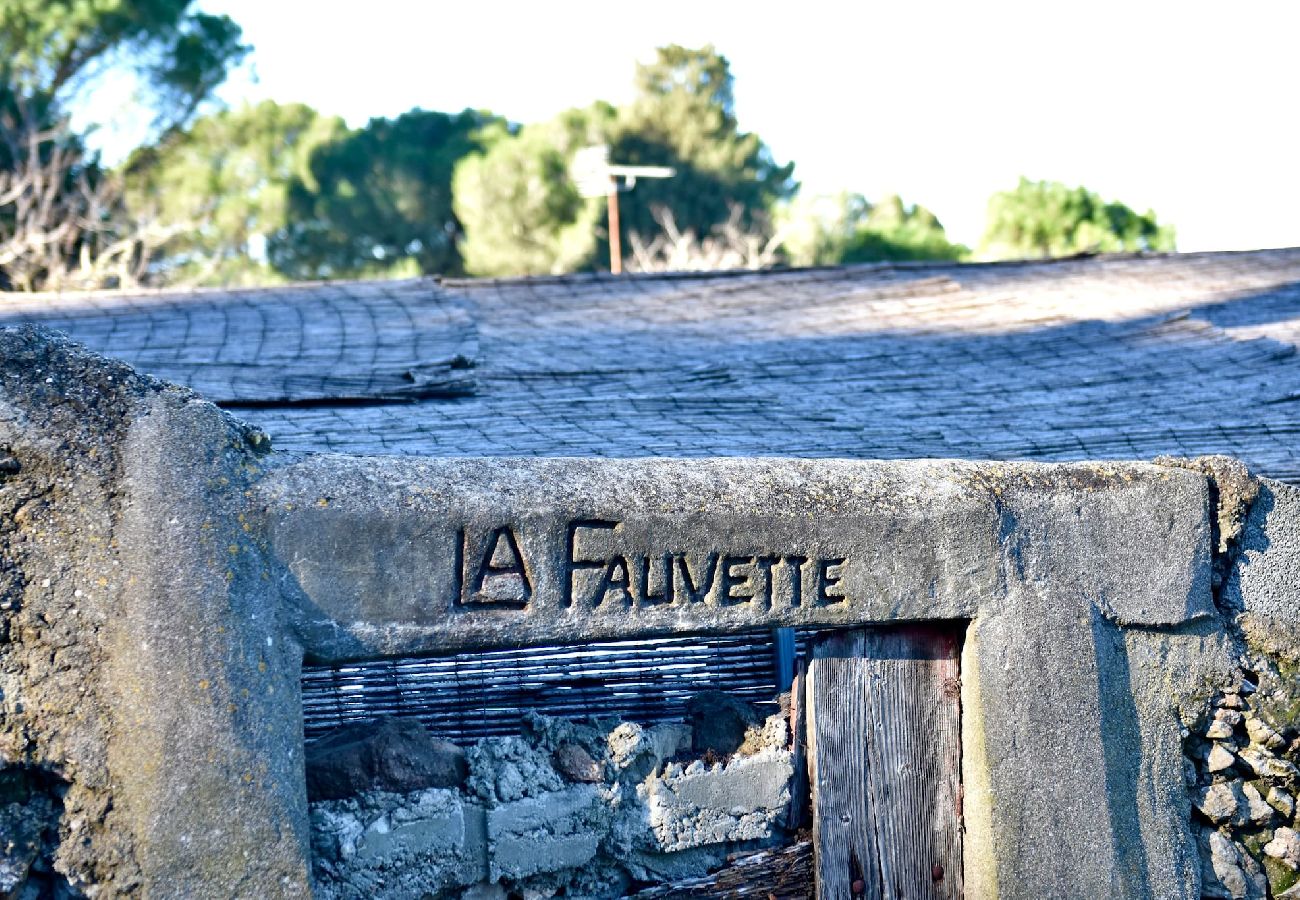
x=1243 y=778
x=567 y=808
x=1243 y=752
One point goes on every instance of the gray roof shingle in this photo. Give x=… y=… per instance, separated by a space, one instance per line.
x=1106 y=357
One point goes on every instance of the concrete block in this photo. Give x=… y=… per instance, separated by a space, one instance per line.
x=555 y=831
x=741 y=801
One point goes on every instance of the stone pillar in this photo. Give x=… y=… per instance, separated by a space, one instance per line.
x=144 y=660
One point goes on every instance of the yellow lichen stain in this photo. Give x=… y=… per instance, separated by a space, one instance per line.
x=230 y=707
x=204 y=684
x=261 y=665
x=232 y=549
x=323 y=501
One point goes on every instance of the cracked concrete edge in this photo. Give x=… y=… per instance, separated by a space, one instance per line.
x=1256 y=564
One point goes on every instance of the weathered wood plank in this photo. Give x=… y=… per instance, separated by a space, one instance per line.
x=843 y=834
x=784 y=873
x=799 y=745
x=885 y=745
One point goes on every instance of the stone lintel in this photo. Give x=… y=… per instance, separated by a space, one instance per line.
x=395 y=556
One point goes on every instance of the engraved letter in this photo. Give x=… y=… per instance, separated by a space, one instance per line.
x=572 y=565
x=764 y=564
x=825 y=581
x=608 y=581
x=501 y=578
x=796 y=578
x=727 y=595
x=694 y=594
x=665 y=594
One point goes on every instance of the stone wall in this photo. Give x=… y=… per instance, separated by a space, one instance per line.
x=148 y=686
x=571 y=809
x=1243 y=753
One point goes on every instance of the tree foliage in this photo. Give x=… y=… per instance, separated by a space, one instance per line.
x=380 y=196
x=274 y=191
x=846 y=228
x=1048 y=218
x=522 y=214
x=62 y=220
x=52 y=48
x=684 y=116
x=223 y=184
x=521 y=211
x=896 y=232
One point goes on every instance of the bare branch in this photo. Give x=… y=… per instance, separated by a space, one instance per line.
x=727 y=246
x=63 y=225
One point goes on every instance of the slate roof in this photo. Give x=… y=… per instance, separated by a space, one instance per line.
x=1092 y=358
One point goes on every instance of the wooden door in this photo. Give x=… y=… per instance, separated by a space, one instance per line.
x=884 y=745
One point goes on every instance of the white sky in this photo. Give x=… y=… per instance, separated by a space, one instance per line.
x=1189 y=108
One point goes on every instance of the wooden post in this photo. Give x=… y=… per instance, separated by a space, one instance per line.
x=615 y=241
x=884 y=733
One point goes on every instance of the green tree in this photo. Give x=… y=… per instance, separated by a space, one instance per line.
x=380 y=199
x=845 y=228
x=221 y=188
x=61 y=219
x=50 y=49
x=684 y=116
x=896 y=232
x=521 y=211
x=1047 y=218
x=522 y=214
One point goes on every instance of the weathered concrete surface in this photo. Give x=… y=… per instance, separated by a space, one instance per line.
x=393 y=556
x=545 y=834
x=398 y=845
x=701 y=804
x=1072 y=724
x=1262 y=588
x=144 y=659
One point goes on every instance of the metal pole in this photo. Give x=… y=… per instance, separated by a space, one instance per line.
x=615 y=243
